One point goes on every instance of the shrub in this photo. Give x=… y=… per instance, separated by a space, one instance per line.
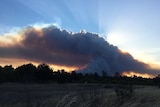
x=124 y=91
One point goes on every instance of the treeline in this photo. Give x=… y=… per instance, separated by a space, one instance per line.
x=29 y=73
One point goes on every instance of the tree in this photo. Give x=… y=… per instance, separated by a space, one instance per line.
x=104 y=74
x=44 y=72
x=157 y=80
x=7 y=73
x=26 y=73
x=117 y=74
x=1 y=68
x=96 y=76
x=73 y=76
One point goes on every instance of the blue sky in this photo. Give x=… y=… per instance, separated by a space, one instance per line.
x=132 y=25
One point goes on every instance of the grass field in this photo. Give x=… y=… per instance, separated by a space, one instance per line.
x=75 y=95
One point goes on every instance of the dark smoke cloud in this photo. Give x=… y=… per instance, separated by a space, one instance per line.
x=55 y=46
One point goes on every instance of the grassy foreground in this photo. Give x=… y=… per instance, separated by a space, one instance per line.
x=75 y=95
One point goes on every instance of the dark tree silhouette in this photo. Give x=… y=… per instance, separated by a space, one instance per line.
x=1 y=74
x=44 y=72
x=157 y=80
x=117 y=74
x=26 y=73
x=7 y=73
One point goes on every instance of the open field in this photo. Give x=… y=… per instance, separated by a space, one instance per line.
x=75 y=95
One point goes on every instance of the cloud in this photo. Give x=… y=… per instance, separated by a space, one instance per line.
x=55 y=46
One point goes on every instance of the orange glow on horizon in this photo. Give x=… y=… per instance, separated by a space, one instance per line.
x=132 y=73
x=14 y=62
x=66 y=68
x=19 y=62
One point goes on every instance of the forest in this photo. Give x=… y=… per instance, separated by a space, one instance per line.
x=29 y=73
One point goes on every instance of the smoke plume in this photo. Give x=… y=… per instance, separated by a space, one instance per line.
x=55 y=46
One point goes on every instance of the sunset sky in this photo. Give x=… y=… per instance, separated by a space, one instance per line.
x=131 y=25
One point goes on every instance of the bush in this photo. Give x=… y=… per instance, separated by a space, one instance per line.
x=124 y=91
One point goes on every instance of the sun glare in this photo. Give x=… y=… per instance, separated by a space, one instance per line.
x=116 y=38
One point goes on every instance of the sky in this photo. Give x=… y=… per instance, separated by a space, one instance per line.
x=131 y=25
